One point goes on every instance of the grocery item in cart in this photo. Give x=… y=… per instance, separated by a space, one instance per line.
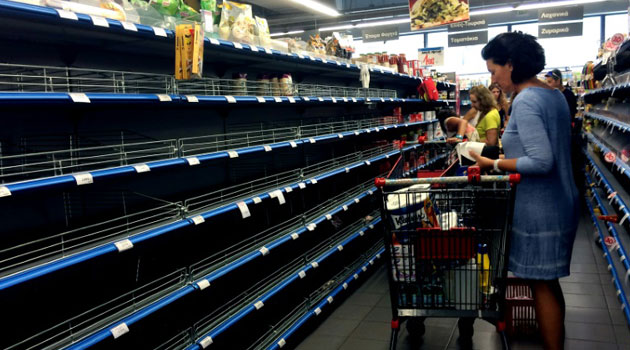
x=402 y=269
x=407 y=208
x=448 y=220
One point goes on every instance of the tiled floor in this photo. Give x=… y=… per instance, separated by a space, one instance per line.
x=593 y=320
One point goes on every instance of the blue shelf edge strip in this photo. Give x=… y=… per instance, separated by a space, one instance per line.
x=314 y=312
x=621 y=166
x=611 y=265
x=610 y=121
x=607 y=89
x=68 y=180
x=613 y=196
x=623 y=256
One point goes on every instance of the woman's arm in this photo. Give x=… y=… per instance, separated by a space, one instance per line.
x=470 y=114
x=492 y=137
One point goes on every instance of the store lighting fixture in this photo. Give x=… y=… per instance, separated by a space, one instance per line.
x=287 y=33
x=328 y=29
x=540 y=5
x=491 y=11
x=383 y=23
x=319 y=7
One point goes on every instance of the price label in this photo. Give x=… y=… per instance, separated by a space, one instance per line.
x=238 y=46
x=277 y=99
x=288 y=189
x=345 y=99
x=345 y=285
x=312 y=58
x=282 y=342
x=300 y=56
x=142 y=168
x=356 y=277
x=320 y=99
x=328 y=217
x=205 y=342
x=378 y=256
x=267 y=148
x=338 y=63
x=302 y=185
x=382 y=99
x=79 y=97
x=347 y=170
x=159 y=31
x=371 y=227
x=192 y=161
x=203 y=284
x=314 y=264
x=280 y=197
x=164 y=97
x=312 y=140
x=119 y=330
x=370 y=192
x=99 y=21
x=197 y=220
x=268 y=51
x=67 y=14
x=311 y=227
x=264 y=251
x=214 y=41
x=4 y=191
x=302 y=274
x=242 y=206
x=83 y=179
x=369 y=99
x=371 y=262
x=291 y=99
x=123 y=245
x=257 y=200
x=293 y=144
x=129 y=26
x=368 y=131
x=345 y=208
x=230 y=99
x=340 y=247
x=261 y=99
x=356 y=133
x=367 y=162
x=361 y=233
x=364 y=268
x=334 y=100
x=233 y=154
x=313 y=181
x=305 y=98
x=295 y=236
x=324 y=61
x=377 y=129
x=253 y=48
x=354 y=99
x=330 y=300
x=357 y=200
x=340 y=136
x=258 y=305
x=347 y=65
x=192 y=98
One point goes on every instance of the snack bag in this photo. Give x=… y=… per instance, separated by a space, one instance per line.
x=188 y=13
x=166 y=7
x=262 y=32
x=237 y=23
x=429 y=217
x=197 y=55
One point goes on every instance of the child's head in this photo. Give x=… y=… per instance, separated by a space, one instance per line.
x=444 y=114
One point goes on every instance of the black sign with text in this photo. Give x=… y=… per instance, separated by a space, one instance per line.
x=560 y=30
x=559 y=14
x=379 y=34
x=475 y=23
x=468 y=39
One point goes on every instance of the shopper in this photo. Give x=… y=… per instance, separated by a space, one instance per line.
x=489 y=120
x=456 y=128
x=537 y=145
x=502 y=103
x=554 y=79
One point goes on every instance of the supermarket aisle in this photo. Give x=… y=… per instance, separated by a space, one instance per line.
x=594 y=319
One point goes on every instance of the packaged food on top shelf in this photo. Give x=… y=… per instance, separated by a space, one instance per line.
x=286 y=85
x=166 y=7
x=316 y=45
x=105 y=8
x=237 y=23
x=189 y=51
x=239 y=85
x=262 y=32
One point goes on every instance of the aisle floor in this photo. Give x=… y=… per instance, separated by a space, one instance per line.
x=593 y=321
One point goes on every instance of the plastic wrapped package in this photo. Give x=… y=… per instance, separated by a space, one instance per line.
x=147 y=14
x=280 y=45
x=105 y=8
x=237 y=23
x=262 y=32
x=166 y=7
x=286 y=85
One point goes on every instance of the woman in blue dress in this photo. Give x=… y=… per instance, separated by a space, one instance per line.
x=537 y=144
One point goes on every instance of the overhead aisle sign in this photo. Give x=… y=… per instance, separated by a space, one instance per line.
x=560 y=14
x=468 y=39
x=567 y=21
x=559 y=30
x=431 y=57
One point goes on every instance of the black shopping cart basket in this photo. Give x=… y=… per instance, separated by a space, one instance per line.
x=447 y=245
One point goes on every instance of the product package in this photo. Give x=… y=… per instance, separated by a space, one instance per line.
x=262 y=32
x=189 y=51
x=166 y=7
x=237 y=23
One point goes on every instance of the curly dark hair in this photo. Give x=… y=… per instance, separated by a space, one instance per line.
x=521 y=50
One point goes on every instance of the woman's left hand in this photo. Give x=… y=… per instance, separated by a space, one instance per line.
x=482 y=162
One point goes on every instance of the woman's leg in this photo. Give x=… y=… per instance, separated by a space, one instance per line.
x=550 y=309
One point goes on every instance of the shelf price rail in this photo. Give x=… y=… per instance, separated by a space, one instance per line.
x=623 y=256
x=621 y=295
x=88 y=177
x=622 y=167
x=611 y=122
x=613 y=196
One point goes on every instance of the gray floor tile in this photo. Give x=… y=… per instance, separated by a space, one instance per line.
x=349 y=311
x=589 y=332
x=441 y=322
x=588 y=315
x=481 y=340
x=436 y=336
x=364 y=299
x=319 y=342
x=581 y=278
x=613 y=302
x=617 y=317
x=590 y=301
x=582 y=288
x=337 y=327
x=372 y=330
x=364 y=344
x=622 y=335
x=572 y=344
x=379 y=314
x=585 y=268
x=385 y=301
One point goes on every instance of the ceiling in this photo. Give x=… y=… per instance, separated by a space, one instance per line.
x=287 y=15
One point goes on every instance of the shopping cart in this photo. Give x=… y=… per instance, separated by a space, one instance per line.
x=447 y=246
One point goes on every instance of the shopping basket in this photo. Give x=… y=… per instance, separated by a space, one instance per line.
x=447 y=242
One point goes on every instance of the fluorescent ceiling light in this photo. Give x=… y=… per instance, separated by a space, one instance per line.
x=319 y=7
x=327 y=29
x=553 y=4
x=383 y=23
x=491 y=10
x=287 y=33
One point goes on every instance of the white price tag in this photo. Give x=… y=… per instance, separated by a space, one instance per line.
x=382 y=99
x=288 y=189
x=159 y=31
x=385 y=128
x=314 y=181
x=330 y=300
x=354 y=99
x=192 y=161
x=371 y=227
x=164 y=97
x=320 y=99
x=345 y=208
x=328 y=217
x=268 y=51
x=368 y=99
x=293 y=144
x=67 y=14
x=142 y=168
x=367 y=162
x=314 y=264
x=230 y=99
x=311 y=227
x=361 y=233
x=295 y=236
x=378 y=256
x=277 y=99
x=356 y=133
x=364 y=268
x=356 y=277
x=370 y=192
x=300 y=56
x=123 y=245
x=291 y=99
x=334 y=100
x=192 y=98
x=345 y=99
x=264 y=251
x=4 y=191
x=302 y=274
x=205 y=342
x=233 y=154
x=371 y=262
x=79 y=97
x=129 y=26
x=345 y=285
x=377 y=129
x=198 y=220
x=391 y=99
x=253 y=48
x=119 y=330
x=318 y=311
x=347 y=170
x=214 y=41
x=282 y=342
x=340 y=247
x=324 y=60
x=625 y=217
x=99 y=21
x=238 y=46
x=259 y=305
x=302 y=185
x=257 y=200
x=267 y=148
x=312 y=58
x=357 y=200
x=203 y=284
x=280 y=197
x=83 y=179
x=260 y=99
x=368 y=131
x=306 y=98
x=242 y=206
x=312 y=140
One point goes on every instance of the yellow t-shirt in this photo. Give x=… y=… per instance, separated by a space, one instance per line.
x=492 y=120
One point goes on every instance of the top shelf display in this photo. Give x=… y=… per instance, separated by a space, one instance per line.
x=25 y=22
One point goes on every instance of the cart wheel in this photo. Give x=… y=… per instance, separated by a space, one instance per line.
x=415 y=327
x=501 y=326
